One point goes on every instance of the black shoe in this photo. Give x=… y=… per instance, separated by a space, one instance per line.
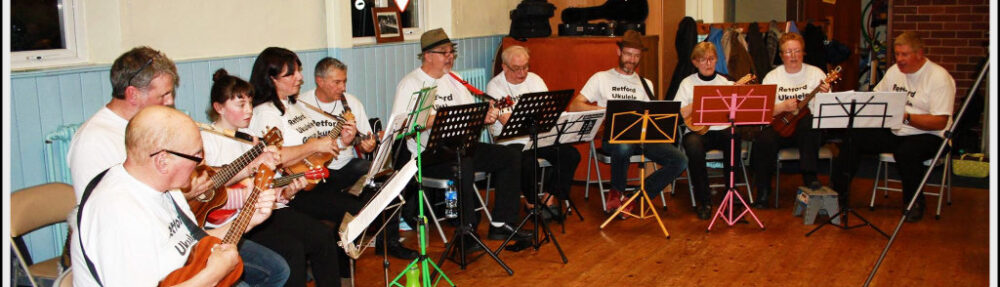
x=760 y=204
x=762 y=194
x=916 y=213
x=502 y=232
x=397 y=250
x=704 y=212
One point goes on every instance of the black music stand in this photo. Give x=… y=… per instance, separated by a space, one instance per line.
x=454 y=133
x=571 y=127
x=848 y=110
x=535 y=112
x=732 y=106
x=641 y=122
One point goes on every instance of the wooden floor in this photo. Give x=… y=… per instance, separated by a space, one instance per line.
x=952 y=251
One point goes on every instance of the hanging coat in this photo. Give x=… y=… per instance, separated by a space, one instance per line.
x=773 y=46
x=684 y=42
x=715 y=36
x=758 y=50
x=739 y=62
x=815 y=48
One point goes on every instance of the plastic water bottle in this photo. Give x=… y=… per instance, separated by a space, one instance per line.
x=413 y=277
x=450 y=201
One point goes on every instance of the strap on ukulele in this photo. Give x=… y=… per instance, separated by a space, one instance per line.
x=645 y=86
x=79 y=220
x=465 y=83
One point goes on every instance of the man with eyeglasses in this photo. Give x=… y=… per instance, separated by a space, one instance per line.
x=624 y=83
x=140 y=78
x=437 y=58
x=515 y=81
x=135 y=227
x=795 y=80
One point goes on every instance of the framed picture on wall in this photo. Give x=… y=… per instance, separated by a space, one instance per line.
x=387 y=25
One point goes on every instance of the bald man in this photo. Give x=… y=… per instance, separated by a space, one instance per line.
x=134 y=227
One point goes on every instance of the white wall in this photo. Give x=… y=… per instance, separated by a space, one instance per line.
x=709 y=11
x=760 y=10
x=197 y=29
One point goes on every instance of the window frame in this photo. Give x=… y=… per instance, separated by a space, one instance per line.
x=409 y=34
x=74 y=34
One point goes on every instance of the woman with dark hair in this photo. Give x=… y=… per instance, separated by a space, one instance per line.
x=277 y=77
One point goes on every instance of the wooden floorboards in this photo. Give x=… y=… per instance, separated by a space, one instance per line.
x=952 y=251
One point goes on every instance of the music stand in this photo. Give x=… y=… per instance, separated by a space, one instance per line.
x=641 y=122
x=420 y=106
x=535 y=112
x=732 y=106
x=454 y=133
x=852 y=110
x=572 y=127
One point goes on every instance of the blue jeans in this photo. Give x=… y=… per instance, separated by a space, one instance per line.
x=672 y=160
x=262 y=266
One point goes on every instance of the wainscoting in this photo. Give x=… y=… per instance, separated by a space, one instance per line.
x=43 y=101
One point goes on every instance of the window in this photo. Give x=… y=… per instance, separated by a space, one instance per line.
x=46 y=33
x=363 y=29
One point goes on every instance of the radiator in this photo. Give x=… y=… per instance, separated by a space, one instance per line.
x=477 y=77
x=55 y=150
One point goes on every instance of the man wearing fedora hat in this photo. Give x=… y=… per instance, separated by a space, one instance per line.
x=437 y=57
x=623 y=83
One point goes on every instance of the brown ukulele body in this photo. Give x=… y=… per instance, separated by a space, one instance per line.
x=204 y=203
x=311 y=162
x=785 y=123
x=197 y=261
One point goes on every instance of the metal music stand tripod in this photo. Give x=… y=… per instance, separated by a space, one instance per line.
x=733 y=105
x=535 y=112
x=641 y=122
x=852 y=110
x=454 y=133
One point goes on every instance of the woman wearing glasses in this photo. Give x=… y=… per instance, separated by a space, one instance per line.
x=700 y=139
x=795 y=80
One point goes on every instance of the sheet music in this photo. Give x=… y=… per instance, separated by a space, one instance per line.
x=391 y=189
x=575 y=127
x=874 y=109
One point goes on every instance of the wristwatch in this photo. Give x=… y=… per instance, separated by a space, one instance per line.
x=906 y=119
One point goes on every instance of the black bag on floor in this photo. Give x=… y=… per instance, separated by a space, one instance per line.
x=531 y=19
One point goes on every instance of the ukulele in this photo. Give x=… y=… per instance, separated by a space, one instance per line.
x=216 y=196
x=786 y=122
x=198 y=259
x=219 y=216
x=319 y=159
x=701 y=130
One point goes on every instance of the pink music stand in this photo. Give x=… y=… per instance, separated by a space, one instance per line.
x=733 y=105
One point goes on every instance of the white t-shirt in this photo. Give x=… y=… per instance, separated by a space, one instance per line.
x=132 y=233
x=930 y=90
x=449 y=93
x=612 y=85
x=296 y=127
x=97 y=145
x=797 y=85
x=324 y=124
x=221 y=150
x=685 y=91
x=499 y=87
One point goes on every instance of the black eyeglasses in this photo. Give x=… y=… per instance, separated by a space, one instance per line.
x=148 y=62
x=187 y=156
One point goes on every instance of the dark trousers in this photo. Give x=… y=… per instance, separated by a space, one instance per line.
x=695 y=147
x=300 y=238
x=564 y=160
x=347 y=175
x=505 y=164
x=910 y=153
x=764 y=155
x=328 y=201
x=671 y=159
